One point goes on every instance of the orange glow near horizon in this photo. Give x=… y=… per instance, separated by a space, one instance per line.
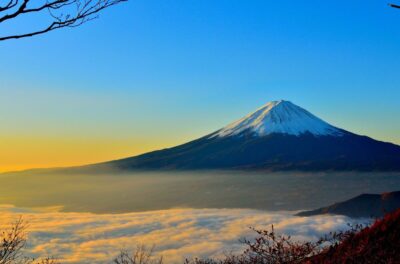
x=22 y=153
x=25 y=152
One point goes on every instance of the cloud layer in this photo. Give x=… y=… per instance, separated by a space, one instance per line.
x=177 y=233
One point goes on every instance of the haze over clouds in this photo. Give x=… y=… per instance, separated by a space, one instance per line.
x=177 y=233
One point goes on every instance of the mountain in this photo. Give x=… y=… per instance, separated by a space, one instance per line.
x=278 y=136
x=364 y=205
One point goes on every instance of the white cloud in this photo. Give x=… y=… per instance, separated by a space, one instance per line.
x=177 y=233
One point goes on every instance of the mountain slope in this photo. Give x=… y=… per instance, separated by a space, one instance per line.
x=364 y=205
x=278 y=136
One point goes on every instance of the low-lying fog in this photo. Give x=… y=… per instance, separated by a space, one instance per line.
x=87 y=238
x=139 y=191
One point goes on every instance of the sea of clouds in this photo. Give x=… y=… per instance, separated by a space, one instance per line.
x=176 y=233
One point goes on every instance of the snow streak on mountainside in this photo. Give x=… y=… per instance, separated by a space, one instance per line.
x=281 y=117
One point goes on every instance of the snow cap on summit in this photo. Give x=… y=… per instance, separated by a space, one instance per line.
x=281 y=117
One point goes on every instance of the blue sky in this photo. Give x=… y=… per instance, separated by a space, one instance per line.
x=151 y=74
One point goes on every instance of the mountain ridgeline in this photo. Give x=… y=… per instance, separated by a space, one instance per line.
x=278 y=136
x=364 y=205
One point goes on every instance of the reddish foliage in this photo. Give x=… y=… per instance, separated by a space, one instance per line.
x=379 y=243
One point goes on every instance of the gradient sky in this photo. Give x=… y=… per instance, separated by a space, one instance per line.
x=153 y=74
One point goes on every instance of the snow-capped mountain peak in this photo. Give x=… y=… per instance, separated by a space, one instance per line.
x=281 y=117
x=312 y=145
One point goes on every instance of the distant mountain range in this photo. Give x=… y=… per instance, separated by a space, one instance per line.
x=278 y=136
x=364 y=205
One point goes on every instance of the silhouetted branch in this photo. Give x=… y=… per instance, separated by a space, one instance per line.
x=8 y=5
x=394 y=6
x=141 y=255
x=12 y=242
x=64 y=13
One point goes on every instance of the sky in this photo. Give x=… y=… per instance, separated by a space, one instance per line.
x=153 y=74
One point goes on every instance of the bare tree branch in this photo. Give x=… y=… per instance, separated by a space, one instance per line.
x=9 y=5
x=63 y=13
x=12 y=242
x=141 y=255
x=394 y=6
